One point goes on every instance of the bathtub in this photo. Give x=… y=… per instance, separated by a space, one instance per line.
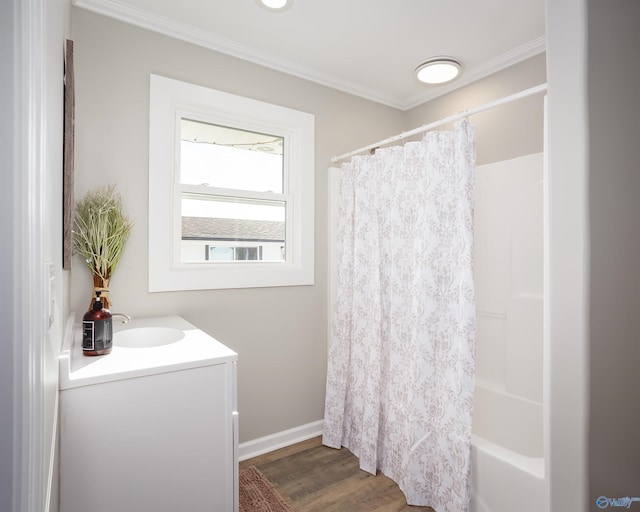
x=506 y=454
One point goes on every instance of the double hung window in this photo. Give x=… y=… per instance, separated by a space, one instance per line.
x=230 y=190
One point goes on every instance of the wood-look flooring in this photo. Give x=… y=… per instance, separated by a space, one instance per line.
x=315 y=478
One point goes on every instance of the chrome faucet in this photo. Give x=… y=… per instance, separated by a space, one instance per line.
x=124 y=318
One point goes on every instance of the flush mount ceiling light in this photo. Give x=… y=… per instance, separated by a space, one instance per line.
x=275 y=5
x=438 y=70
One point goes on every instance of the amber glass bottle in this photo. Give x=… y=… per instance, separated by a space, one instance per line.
x=97 y=330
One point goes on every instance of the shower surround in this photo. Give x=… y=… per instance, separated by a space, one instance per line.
x=507 y=441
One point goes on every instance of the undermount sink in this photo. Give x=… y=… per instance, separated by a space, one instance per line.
x=146 y=337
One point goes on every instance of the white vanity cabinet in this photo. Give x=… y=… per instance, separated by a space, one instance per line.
x=149 y=429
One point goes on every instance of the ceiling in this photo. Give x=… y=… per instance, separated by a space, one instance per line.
x=369 y=48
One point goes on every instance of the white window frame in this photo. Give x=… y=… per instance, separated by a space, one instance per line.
x=169 y=100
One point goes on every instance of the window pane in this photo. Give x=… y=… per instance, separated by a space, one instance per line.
x=193 y=263
x=220 y=253
x=234 y=253
x=225 y=157
x=218 y=228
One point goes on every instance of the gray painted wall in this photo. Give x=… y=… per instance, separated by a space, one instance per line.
x=279 y=333
x=614 y=218
x=58 y=27
x=8 y=370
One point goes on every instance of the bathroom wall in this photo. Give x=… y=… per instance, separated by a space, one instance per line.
x=508 y=269
x=504 y=132
x=8 y=372
x=614 y=221
x=279 y=333
x=58 y=28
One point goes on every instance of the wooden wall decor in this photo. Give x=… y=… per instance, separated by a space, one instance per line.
x=68 y=158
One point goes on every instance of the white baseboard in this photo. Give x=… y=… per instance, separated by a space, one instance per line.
x=279 y=440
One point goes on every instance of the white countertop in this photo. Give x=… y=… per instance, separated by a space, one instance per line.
x=195 y=349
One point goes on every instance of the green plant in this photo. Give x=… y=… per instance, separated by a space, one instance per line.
x=101 y=231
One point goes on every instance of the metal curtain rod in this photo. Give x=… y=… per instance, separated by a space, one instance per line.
x=507 y=99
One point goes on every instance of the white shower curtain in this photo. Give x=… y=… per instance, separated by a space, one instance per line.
x=402 y=355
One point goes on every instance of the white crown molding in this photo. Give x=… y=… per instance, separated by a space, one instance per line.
x=144 y=19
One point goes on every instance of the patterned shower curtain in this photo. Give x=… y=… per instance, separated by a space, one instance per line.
x=402 y=354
